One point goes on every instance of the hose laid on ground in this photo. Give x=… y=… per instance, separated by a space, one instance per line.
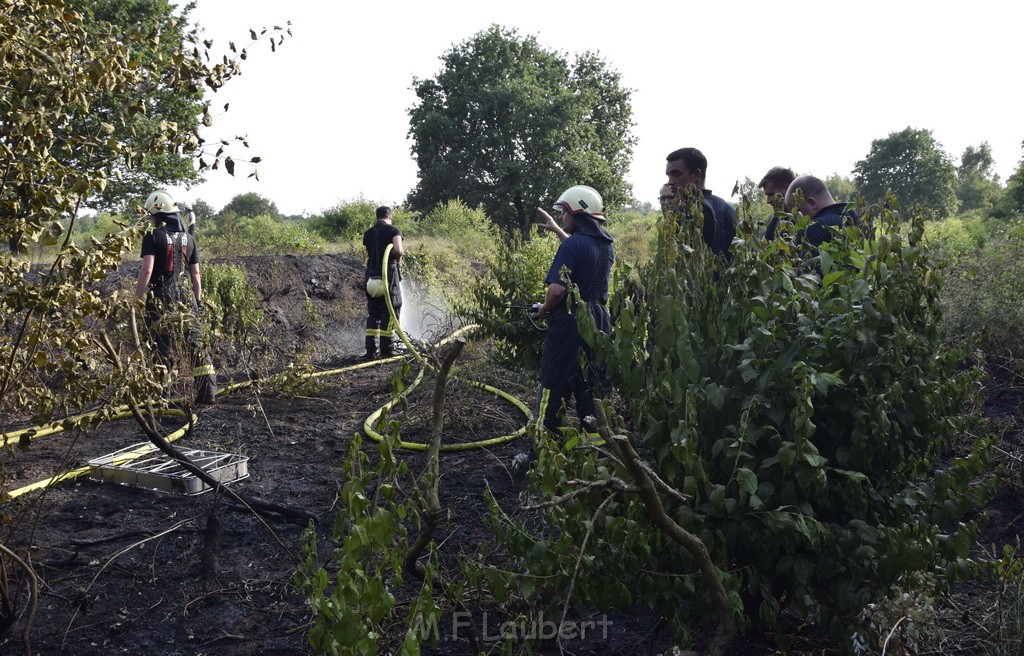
x=82 y=471
x=123 y=411
x=424 y=365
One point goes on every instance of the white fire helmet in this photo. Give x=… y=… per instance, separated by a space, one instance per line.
x=581 y=198
x=160 y=201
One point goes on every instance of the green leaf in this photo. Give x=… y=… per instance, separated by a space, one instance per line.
x=747 y=480
x=787 y=456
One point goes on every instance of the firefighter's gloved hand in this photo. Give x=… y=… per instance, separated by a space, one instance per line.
x=535 y=311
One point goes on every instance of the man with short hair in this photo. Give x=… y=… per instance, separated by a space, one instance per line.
x=823 y=209
x=378 y=320
x=774 y=185
x=687 y=167
x=168 y=251
x=667 y=197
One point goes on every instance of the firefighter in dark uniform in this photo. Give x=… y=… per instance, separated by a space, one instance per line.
x=378 y=320
x=168 y=252
x=584 y=259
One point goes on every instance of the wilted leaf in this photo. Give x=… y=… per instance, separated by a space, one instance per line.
x=53 y=233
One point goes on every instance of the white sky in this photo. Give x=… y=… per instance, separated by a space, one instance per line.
x=752 y=84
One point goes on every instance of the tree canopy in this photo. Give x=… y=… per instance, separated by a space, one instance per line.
x=978 y=185
x=1013 y=199
x=913 y=166
x=509 y=124
x=251 y=204
x=178 y=107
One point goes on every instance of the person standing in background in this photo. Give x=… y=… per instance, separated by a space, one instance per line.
x=168 y=252
x=378 y=320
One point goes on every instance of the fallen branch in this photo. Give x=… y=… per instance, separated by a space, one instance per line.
x=254 y=505
x=108 y=538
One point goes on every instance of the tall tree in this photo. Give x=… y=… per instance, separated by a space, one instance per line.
x=913 y=166
x=978 y=185
x=251 y=204
x=1013 y=198
x=509 y=124
x=841 y=187
x=115 y=138
x=179 y=108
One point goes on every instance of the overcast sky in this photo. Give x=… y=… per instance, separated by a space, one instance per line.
x=752 y=84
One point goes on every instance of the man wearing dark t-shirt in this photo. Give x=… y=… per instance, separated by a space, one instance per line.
x=687 y=167
x=378 y=320
x=774 y=185
x=823 y=209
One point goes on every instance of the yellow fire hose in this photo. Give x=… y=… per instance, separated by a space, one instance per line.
x=421 y=446
x=82 y=471
x=123 y=411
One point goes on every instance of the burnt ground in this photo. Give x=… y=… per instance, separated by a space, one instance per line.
x=122 y=569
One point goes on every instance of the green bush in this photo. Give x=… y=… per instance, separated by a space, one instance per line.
x=958 y=236
x=348 y=220
x=635 y=235
x=233 y=316
x=514 y=279
x=345 y=221
x=99 y=226
x=804 y=415
x=984 y=294
x=240 y=235
x=454 y=219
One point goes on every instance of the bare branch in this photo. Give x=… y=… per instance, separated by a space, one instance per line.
x=656 y=513
x=585 y=486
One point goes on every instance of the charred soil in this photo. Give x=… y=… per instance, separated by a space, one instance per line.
x=135 y=571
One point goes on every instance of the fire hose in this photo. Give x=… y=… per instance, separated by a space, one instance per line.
x=90 y=418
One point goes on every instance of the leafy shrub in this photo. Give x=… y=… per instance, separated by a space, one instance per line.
x=635 y=235
x=352 y=599
x=468 y=228
x=348 y=220
x=260 y=235
x=345 y=221
x=802 y=410
x=456 y=220
x=984 y=294
x=498 y=300
x=99 y=226
x=957 y=236
x=233 y=315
